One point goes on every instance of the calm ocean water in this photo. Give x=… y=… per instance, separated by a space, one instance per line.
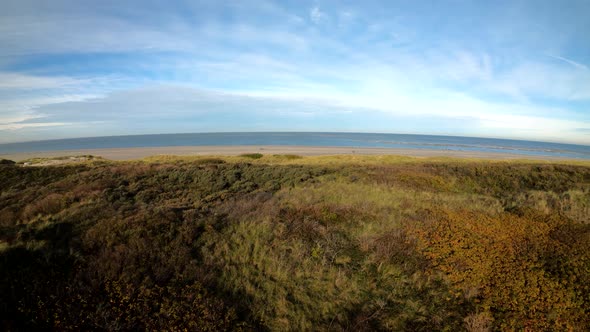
x=356 y=140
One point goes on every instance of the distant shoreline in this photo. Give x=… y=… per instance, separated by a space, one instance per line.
x=143 y=152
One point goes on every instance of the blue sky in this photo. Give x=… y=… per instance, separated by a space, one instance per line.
x=508 y=69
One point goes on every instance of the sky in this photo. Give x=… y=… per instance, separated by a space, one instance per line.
x=502 y=69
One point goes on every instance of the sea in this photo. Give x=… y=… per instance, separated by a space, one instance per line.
x=353 y=140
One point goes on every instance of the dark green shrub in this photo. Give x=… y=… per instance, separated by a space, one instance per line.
x=252 y=155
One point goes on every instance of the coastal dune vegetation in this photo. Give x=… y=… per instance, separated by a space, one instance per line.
x=289 y=243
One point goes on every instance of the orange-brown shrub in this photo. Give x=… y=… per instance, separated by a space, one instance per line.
x=505 y=259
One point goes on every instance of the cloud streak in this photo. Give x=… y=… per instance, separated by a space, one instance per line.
x=571 y=62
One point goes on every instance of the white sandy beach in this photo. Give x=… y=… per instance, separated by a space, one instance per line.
x=138 y=153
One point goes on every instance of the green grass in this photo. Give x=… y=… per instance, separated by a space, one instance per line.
x=280 y=242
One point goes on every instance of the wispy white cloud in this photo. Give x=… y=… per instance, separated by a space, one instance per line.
x=22 y=94
x=534 y=79
x=316 y=15
x=20 y=113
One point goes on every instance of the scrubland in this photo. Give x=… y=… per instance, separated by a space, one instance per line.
x=289 y=243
